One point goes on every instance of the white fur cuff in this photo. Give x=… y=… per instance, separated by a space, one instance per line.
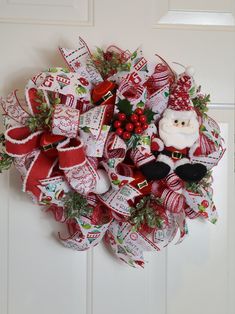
x=167 y=160
x=181 y=162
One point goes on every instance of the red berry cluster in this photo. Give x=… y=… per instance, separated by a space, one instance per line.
x=125 y=125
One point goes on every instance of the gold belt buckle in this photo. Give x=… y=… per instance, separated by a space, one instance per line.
x=107 y=95
x=176 y=155
x=49 y=146
x=142 y=184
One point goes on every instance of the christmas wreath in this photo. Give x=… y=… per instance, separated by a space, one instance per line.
x=116 y=147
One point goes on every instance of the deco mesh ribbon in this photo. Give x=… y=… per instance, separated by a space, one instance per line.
x=91 y=143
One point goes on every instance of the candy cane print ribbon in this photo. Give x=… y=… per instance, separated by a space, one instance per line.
x=65 y=121
x=77 y=61
x=172 y=201
x=114 y=154
x=13 y=109
x=170 y=191
x=68 y=121
x=70 y=84
x=173 y=182
x=84 y=234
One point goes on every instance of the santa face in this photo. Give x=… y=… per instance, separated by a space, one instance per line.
x=179 y=129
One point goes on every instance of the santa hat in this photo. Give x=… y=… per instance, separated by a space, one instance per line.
x=179 y=99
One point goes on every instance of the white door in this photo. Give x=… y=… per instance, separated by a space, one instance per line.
x=37 y=274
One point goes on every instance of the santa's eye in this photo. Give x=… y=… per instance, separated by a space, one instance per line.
x=176 y=121
x=183 y=123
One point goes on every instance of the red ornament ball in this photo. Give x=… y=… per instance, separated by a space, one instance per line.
x=121 y=116
x=205 y=203
x=122 y=183
x=114 y=176
x=129 y=127
x=119 y=131
x=143 y=118
x=204 y=214
x=137 y=124
x=83 y=81
x=145 y=126
x=126 y=135
x=138 y=130
x=134 y=117
x=139 y=111
x=117 y=124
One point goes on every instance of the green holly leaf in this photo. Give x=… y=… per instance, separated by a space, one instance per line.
x=140 y=104
x=2 y=139
x=145 y=140
x=5 y=161
x=120 y=240
x=125 y=106
x=86 y=226
x=125 y=67
x=104 y=127
x=213 y=220
x=57 y=101
x=53 y=70
x=149 y=114
x=145 y=213
x=86 y=129
x=192 y=91
x=41 y=120
x=201 y=208
x=200 y=102
x=133 y=141
x=76 y=205
x=116 y=182
x=80 y=90
x=65 y=70
x=134 y=54
x=203 y=128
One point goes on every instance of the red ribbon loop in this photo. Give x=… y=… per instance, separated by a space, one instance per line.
x=20 y=141
x=71 y=153
x=40 y=168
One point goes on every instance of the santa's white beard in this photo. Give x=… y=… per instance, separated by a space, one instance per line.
x=178 y=137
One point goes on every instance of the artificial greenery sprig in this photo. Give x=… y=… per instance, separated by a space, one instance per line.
x=42 y=120
x=108 y=62
x=145 y=213
x=200 y=102
x=5 y=160
x=76 y=205
x=196 y=187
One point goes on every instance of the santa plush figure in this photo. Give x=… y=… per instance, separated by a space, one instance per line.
x=178 y=130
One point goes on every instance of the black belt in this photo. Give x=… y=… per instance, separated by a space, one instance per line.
x=174 y=155
x=108 y=95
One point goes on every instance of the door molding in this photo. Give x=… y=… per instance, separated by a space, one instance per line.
x=64 y=13
x=192 y=20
